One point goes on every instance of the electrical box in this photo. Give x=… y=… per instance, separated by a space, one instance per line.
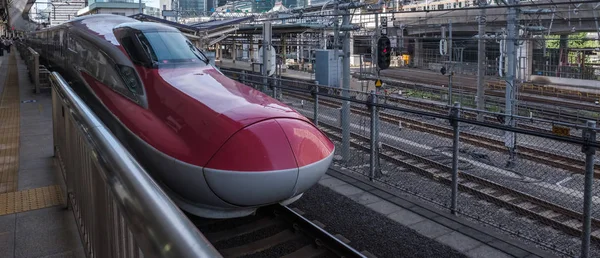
x=328 y=67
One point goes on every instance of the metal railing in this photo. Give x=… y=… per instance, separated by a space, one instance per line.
x=38 y=74
x=119 y=209
x=537 y=180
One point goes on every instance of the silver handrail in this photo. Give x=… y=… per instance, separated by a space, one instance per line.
x=34 y=68
x=120 y=210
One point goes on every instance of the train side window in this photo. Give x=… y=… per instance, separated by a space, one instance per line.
x=133 y=47
x=146 y=46
x=129 y=46
x=71 y=43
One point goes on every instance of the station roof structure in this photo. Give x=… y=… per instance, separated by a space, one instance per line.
x=209 y=25
x=280 y=28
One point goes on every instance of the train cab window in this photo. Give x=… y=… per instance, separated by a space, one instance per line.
x=170 y=47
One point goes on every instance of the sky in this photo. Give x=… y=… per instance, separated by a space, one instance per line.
x=153 y=3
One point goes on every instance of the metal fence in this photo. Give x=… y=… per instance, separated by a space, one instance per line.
x=517 y=176
x=119 y=209
x=38 y=74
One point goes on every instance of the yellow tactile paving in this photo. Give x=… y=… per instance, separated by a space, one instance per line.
x=31 y=199
x=9 y=128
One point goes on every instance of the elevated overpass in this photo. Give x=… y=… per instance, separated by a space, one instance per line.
x=560 y=19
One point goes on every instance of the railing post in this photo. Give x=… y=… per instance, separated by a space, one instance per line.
x=243 y=77
x=454 y=115
x=589 y=136
x=36 y=72
x=373 y=168
x=316 y=106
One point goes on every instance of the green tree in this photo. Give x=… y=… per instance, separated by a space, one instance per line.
x=577 y=40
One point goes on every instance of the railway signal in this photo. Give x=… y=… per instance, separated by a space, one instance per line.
x=384 y=50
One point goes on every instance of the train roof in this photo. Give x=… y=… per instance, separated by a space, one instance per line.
x=110 y=18
x=147 y=26
x=93 y=22
x=102 y=25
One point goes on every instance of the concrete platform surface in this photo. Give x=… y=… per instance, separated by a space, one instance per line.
x=34 y=221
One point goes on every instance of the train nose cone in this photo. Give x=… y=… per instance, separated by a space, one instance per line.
x=260 y=164
x=312 y=149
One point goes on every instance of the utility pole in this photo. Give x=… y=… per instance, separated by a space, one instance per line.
x=374 y=45
x=266 y=53
x=482 y=66
x=141 y=6
x=511 y=42
x=345 y=87
x=450 y=66
x=336 y=27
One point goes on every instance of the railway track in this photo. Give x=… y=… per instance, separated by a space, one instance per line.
x=274 y=231
x=530 y=153
x=391 y=80
x=429 y=106
x=550 y=214
x=444 y=110
x=469 y=84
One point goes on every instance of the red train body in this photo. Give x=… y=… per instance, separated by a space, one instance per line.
x=218 y=147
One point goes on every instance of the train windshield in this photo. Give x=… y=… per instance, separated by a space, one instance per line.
x=170 y=47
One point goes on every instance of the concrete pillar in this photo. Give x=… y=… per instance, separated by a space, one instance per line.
x=525 y=60
x=234 y=52
x=246 y=52
x=324 y=39
x=310 y=50
x=220 y=52
x=283 y=48
x=298 y=48
x=418 y=53
x=353 y=61
x=301 y=51
x=253 y=49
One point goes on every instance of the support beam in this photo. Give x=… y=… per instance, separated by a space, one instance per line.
x=511 y=87
x=265 y=52
x=345 y=91
x=482 y=66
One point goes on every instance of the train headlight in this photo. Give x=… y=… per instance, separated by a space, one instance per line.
x=129 y=77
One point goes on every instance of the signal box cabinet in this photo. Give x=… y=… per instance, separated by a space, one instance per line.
x=328 y=67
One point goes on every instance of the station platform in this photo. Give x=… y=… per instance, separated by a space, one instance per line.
x=34 y=220
x=425 y=75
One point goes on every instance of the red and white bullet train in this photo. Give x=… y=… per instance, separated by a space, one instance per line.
x=219 y=148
